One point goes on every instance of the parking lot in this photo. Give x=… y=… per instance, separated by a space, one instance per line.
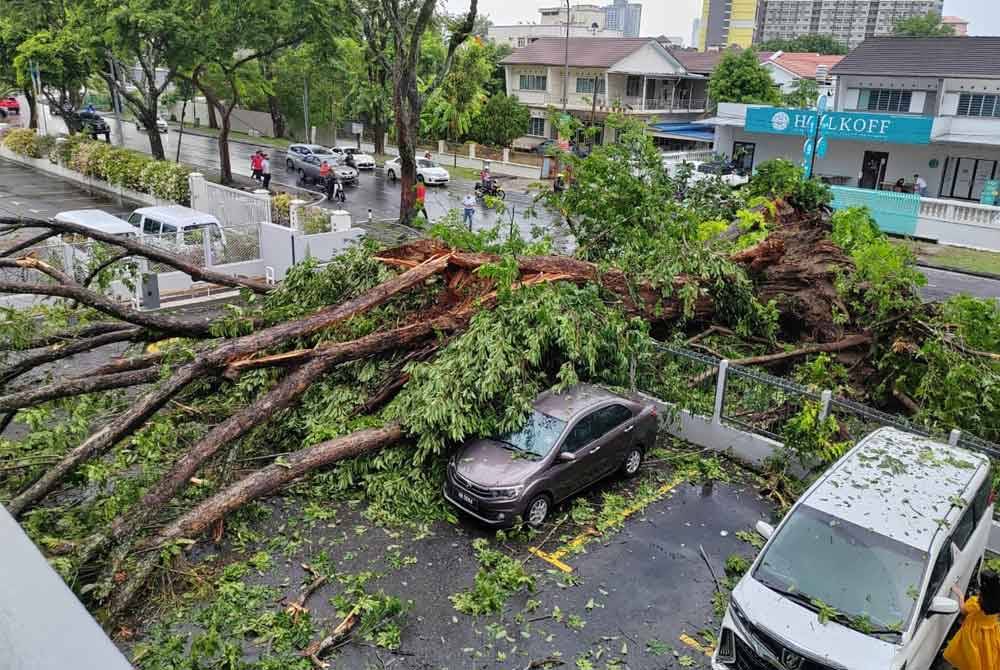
x=24 y=192
x=636 y=595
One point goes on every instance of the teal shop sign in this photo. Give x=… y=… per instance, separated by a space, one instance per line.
x=861 y=126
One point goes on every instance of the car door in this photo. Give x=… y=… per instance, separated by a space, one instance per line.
x=578 y=442
x=933 y=628
x=617 y=434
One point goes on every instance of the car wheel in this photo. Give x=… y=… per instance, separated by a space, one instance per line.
x=302 y=175
x=420 y=178
x=537 y=511
x=632 y=462
x=391 y=174
x=288 y=164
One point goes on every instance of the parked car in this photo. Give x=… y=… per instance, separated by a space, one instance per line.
x=161 y=125
x=307 y=159
x=724 y=170
x=428 y=171
x=94 y=125
x=355 y=157
x=570 y=441
x=10 y=105
x=297 y=152
x=99 y=220
x=857 y=575
x=545 y=147
x=179 y=229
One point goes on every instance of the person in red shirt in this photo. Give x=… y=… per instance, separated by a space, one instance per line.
x=255 y=165
x=421 y=199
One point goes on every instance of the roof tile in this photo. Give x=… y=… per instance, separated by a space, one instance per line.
x=976 y=57
x=583 y=51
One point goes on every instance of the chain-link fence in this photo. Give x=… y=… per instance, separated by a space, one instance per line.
x=760 y=403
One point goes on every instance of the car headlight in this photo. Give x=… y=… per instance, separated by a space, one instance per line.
x=727 y=647
x=508 y=492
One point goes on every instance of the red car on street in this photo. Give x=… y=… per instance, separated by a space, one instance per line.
x=10 y=105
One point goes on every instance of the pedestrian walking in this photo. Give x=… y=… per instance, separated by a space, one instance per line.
x=976 y=645
x=422 y=199
x=265 y=170
x=324 y=170
x=919 y=185
x=469 y=202
x=255 y=165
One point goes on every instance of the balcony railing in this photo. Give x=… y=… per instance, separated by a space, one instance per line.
x=665 y=104
x=953 y=211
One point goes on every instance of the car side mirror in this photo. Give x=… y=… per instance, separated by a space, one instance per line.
x=567 y=456
x=766 y=530
x=942 y=605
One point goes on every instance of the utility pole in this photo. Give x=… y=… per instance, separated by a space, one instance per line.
x=565 y=95
x=305 y=107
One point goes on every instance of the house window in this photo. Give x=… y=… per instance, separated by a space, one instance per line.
x=536 y=127
x=633 y=86
x=586 y=85
x=977 y=104
x=884 y=100
x=521 y=41
x=533 y=82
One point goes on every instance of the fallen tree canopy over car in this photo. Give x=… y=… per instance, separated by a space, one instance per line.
x=366 y=371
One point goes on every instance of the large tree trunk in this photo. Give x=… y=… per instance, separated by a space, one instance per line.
x=213 y=120
x=225 y=165
x=407 y=118
x=29 y=97
x=259 y=484
x=273 y=104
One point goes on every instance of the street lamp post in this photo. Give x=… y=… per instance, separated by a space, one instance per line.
x=565 y=91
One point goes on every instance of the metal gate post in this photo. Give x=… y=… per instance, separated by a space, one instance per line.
x=720 y=391
x=954 y=437
x=824 y=404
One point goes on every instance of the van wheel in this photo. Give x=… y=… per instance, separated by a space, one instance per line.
x=633 y=461
x=537 y=511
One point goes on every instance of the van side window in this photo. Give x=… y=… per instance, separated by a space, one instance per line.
x=967 y=524
x=982 y=500
x=135 y=219
x=168 y=228
x=151 y=227
x=940 y=571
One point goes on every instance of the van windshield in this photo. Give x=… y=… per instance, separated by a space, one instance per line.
x=536 y=437
x=871 y=581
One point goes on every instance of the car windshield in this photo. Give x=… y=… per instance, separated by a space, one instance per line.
x=870 y=581
x=536 y=437
x=320 y=151
x=424 y=163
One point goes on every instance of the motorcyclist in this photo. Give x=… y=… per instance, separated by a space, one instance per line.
x=560 y=183
x=487 y=185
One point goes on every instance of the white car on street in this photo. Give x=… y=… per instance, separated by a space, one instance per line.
x=355 y=157
x=161 y=125
x=858 y=574
x=707 y=169
x=428 y=171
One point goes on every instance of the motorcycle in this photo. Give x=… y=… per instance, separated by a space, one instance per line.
x=490 y=188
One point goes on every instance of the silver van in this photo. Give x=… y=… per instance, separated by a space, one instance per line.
x=177 y=228
x=857 y=575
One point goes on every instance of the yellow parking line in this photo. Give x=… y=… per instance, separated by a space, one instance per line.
x=694 y=644
x=552 y=558
x=577 y=542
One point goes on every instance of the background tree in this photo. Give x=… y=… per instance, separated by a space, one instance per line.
x=821 y=44
x=234 y=38
x=448 y=112
x=154 y=35
x=740 y=77
x=803 y=94
x=928 y=25
x=408 y=21
x=501 y=121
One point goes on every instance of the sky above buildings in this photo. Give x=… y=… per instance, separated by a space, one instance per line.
x=673 y=17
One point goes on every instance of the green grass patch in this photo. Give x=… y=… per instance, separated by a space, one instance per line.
x=955 y=258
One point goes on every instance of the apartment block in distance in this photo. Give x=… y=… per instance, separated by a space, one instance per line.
x=848 y=21
x=727 y=22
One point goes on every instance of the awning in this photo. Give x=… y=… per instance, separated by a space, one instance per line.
x=683 y=131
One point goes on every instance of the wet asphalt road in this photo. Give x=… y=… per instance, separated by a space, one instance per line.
x=373 y=191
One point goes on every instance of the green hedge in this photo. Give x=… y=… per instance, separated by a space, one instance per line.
x=121 y=167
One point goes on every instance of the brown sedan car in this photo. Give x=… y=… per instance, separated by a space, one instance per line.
x=571 y=440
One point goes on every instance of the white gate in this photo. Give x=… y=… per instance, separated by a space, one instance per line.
x=232 y=207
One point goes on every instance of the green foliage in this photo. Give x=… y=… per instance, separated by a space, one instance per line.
x=23 y=141
x=500 y=121
x=822 y=44
x=740 y=77
x=821 y=372
x=782 y=179
x=737 y=565
x=803 y=95
x=483 y=382
x=811 y=439
x=448 y=112
x=885 y=279
x=379 y=614
x=927 y=25
x=499 y=576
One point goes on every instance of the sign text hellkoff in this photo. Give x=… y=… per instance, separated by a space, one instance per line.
x=841 y=125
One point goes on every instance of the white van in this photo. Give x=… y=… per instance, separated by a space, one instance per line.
x=97 y=219
x=175 y=226
x=857 y=575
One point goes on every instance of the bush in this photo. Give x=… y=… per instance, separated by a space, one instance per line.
x=123 y=167
x=23 y=141
x=782 y=179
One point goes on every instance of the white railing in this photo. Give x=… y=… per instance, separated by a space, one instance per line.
x=232 y=207
x=966 y=213
x=671 y=159
x=678 y=104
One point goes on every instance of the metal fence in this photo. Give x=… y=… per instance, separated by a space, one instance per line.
x=760 y=403
x=232 y=207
